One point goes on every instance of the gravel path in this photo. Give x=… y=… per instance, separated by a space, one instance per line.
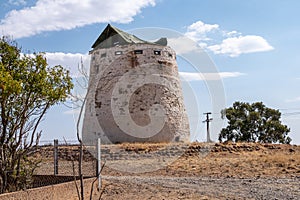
x=209 y=188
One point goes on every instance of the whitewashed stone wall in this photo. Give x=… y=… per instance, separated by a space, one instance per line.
x=135 y=95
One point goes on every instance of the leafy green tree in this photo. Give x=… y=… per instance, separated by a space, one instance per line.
x=253 y=123
x=28 y=88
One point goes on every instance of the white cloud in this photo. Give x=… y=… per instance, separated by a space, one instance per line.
x=200 y=27
x=198 y=30
x=293 y=100
x=55 y=15
x=69 y=61
x=17 y=2
x=235 y=46
x=75 y=111
x=190 y=76
x=182 y=44
x=232 y=33
x=232 y=43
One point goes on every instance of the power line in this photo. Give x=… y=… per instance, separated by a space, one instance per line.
x=289 y=109
x=291 y=113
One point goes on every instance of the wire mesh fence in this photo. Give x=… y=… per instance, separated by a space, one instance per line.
x=60 y=162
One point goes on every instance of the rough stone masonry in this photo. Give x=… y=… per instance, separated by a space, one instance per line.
x=134 y=92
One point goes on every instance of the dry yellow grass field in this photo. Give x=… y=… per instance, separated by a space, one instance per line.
x=240 y=160
x=201 y=171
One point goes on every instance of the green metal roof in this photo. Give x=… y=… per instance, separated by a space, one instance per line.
x=112 y=36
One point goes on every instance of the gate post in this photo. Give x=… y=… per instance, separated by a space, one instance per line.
x=55 y=157
x=99 y=163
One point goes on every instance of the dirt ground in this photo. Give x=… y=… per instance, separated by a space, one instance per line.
x=201 y=171
x=137 y=187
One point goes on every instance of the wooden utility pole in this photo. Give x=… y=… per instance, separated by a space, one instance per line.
x=207 y=126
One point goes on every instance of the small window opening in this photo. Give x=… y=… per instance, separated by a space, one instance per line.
x=118 y=52
x=157 y=52
x=138 y=51
x=103 y=55
x=170 y=55
x=97 y=68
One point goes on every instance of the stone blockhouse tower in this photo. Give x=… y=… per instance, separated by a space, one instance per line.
x=134 y=91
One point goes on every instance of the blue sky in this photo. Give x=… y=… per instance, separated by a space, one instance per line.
x=254 y=44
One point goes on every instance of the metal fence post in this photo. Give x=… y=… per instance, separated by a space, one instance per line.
x=55 y=157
